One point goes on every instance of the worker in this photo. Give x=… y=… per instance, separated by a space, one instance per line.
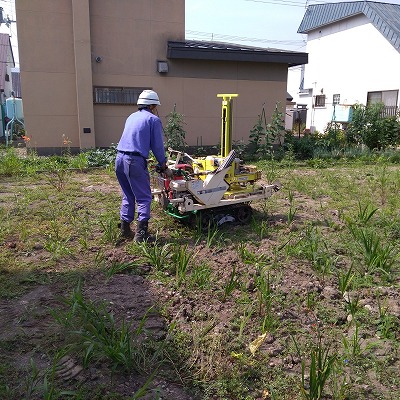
x=143 y=132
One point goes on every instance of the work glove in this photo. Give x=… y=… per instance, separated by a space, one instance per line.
x=161 y=167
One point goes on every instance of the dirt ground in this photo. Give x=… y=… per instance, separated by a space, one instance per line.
x=27 y=319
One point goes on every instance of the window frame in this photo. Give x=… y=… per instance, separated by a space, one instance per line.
x=318 y=103
x=336 y=99
x=373 y=95
x=116 y=95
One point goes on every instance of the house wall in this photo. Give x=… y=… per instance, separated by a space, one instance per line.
x=7 y=64
x=59 y=69
x=350 y=58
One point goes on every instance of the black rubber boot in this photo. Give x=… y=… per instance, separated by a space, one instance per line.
x=126 y=231
x=142 y=234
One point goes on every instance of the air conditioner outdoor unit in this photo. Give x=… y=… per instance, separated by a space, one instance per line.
x=307 y=92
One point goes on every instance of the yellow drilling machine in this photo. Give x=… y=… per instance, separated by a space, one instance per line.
x=213 y=189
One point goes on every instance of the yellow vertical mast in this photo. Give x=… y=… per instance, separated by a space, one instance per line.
x=226 y=125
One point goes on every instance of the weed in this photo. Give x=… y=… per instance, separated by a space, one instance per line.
x=352 y=346
x=156 y=254
x=213 y=235
x=352 y=304
x=248 y=257
x=10 y=163
x=57 y=247
x=110 y=229
x=345 y=279
x=118 y=268
x=265 y=298
x=181 y=257
x=200 y=276
x=383 y=179
x=231 y=284
x=378 y=257
x=58 y=177
x=365 y=213
x=206 y=351
x=321 y=366
x=82 y=226
x=244 y=319
x=98 y=336
x=42 y=383
x=387 y=324
x=80 y=161
x=339 y=382
x=312 y=246
x=99 y=259
x=292 y=209
x=143 y=391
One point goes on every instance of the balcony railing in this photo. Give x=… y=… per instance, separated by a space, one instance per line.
x=390 y=111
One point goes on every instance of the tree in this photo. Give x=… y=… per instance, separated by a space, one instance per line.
x=174 y=132
x=264 y=135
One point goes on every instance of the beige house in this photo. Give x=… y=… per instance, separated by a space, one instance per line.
x=84 y=62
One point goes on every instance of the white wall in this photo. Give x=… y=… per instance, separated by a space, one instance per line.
x=350 y=58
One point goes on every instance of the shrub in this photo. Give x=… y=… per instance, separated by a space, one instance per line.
x=174 y=132
x=303 y=147
x=370 y=128
x=101 y=157
x=332 y=138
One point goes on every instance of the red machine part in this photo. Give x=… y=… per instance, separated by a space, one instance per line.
x=178 y=173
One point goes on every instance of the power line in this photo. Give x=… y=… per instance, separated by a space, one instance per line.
x=215 y=36
x=280 y=2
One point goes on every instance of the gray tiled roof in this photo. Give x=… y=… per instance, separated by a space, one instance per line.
x=383 y=16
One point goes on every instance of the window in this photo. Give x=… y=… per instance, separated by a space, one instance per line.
x=336 y=99
x=116 y=95
x=388 y=98
x=320 y=101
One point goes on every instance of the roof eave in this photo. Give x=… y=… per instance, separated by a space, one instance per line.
x=179 y=51
x=313 y=28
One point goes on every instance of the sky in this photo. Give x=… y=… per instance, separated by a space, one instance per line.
x=259 y=23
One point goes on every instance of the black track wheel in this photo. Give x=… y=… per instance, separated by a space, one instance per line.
x=244 y=214
x=205 y=220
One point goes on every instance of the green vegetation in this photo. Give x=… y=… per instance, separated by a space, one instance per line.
x=174 y=131
x=301 y=303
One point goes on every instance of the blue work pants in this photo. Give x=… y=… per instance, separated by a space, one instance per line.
x=134 y=179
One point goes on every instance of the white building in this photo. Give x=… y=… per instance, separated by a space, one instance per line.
x=354 y=57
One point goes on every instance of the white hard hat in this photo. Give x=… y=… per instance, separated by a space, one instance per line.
x=148 y=97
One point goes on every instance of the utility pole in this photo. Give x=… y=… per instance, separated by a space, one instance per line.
x=7 y=21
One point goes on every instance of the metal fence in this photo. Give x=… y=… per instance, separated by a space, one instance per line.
x=390 y=111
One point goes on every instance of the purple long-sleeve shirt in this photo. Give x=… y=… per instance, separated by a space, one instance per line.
x=143 y=132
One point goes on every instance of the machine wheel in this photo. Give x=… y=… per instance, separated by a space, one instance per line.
x=205 y=221
x=244 y=214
